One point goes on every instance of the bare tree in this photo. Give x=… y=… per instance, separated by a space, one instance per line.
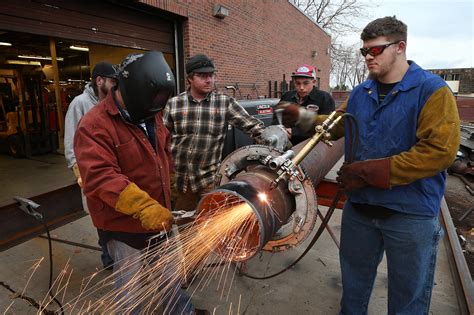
x=337 y=17
x=348 y=67
x=341 y=66
x=359 y=68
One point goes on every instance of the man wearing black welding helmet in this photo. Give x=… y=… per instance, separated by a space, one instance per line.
x=124 y=158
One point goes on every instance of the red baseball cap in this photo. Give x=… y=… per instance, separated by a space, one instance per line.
x=305 y=71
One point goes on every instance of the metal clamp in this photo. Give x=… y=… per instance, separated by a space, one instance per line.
x=29 y=206
x=181 y=214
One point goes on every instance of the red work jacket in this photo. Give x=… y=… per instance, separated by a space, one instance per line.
x=112 y=153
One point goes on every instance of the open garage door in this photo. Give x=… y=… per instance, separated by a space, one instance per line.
x=106 y=29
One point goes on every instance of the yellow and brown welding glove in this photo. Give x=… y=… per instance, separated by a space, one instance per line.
x=75 y=170
x=360 y=174
x=137 y=203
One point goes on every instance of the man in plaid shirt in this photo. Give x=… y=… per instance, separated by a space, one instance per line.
x=197 y=120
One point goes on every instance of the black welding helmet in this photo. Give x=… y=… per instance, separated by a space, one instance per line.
x=146 y=83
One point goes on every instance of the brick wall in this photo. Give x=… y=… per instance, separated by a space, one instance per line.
x=260 y=40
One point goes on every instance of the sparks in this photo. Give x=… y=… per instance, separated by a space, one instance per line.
x=227 y=232
x=262 y=196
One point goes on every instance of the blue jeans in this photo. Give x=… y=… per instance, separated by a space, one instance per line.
x=126 y=267
x=107 y=261
x=410 y=243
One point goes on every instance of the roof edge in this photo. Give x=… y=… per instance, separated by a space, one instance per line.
x=167 y=5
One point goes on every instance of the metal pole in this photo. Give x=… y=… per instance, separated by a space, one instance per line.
x=176 y=58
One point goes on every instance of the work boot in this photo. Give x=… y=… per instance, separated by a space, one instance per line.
x=189 y=280
x=198 y=311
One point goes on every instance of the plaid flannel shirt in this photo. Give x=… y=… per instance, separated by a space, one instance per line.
x=198 y=131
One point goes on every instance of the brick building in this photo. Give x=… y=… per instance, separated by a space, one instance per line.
x=258 y=41
x=252 y=43
x=460 y=80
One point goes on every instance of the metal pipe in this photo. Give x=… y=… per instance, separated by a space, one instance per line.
x=177 y=71
x=321 y=159
x=283 y=200
x=279 y=160
x=289 y=213
x=272 y=208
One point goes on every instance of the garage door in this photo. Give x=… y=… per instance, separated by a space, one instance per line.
x=91 y=21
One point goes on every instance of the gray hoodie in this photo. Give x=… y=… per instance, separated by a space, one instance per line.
x=79 y=106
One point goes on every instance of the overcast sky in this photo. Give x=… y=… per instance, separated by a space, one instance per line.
x=440 y=33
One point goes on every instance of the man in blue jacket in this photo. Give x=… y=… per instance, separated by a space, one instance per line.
x=409 y=135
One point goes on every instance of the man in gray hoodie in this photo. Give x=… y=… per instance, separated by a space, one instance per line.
x=104 y=77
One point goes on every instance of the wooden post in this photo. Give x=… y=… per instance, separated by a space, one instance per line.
x=3 y=109
x=57 y=92
x=22 y=117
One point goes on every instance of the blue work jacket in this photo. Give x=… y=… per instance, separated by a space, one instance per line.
x=388 y=129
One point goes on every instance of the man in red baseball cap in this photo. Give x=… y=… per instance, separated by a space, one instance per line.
x=307 y=95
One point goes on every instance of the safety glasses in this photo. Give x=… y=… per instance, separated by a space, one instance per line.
x=376 y=50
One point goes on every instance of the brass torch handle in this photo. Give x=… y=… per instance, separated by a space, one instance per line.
x=320 y=134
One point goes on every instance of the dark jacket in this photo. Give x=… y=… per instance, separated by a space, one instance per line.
x=316 y=97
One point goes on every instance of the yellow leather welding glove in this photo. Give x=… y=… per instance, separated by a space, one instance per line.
x=360 y=174
x=138 y=203
x=75 y=170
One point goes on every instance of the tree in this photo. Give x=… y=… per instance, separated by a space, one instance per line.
x=348 y=67
x=338 y=18
x=359 y=68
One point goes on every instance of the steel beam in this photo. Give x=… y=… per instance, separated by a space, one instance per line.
x=58 y=207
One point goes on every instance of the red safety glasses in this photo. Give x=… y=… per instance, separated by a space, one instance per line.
x=376 y=50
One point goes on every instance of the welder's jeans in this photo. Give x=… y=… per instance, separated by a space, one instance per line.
x=130 y=287
x=107 y=261
x=410 y=243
